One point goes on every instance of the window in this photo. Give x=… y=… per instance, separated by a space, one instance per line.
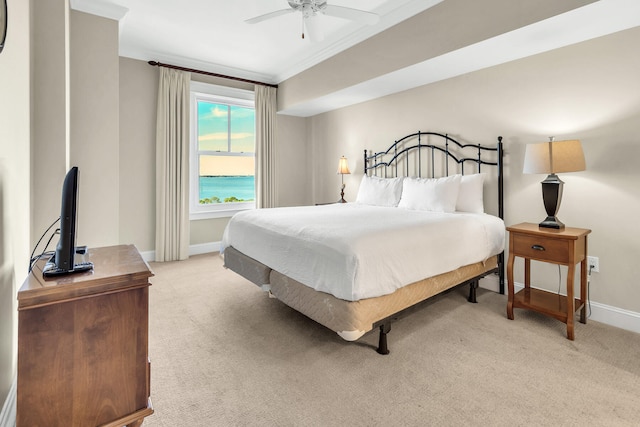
x=222 y=151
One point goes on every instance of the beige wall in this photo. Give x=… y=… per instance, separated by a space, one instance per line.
x=75 y=119
x=138 y=95
x=15 y=136
x=294 y=162
x=49 y=120
x=589 y=91
x=94 y=121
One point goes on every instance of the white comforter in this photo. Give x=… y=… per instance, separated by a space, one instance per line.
x=356 y=251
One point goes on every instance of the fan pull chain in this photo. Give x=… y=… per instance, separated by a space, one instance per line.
x=303 y=26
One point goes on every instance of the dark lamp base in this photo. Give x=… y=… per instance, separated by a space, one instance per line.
x=551 y=222
x=551 y=196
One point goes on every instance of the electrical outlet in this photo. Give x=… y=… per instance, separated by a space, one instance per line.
x=593 y=264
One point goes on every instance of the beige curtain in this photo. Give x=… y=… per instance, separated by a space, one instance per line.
x=266 y=106
x=172 y=166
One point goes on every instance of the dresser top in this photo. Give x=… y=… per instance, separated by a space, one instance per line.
x=115 y=268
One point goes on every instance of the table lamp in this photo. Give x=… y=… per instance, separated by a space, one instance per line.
x=553 y=157
x=343 y=168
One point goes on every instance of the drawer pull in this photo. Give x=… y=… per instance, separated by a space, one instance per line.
x=537 y=248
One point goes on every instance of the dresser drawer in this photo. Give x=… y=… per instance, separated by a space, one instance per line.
x=541 y=248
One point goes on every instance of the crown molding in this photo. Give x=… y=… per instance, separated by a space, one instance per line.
x=100 y=8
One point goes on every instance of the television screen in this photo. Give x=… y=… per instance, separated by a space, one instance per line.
x=63 y=261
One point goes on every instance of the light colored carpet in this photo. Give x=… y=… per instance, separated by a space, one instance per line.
x=224 y=354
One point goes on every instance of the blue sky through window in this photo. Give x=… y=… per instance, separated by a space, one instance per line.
x=226 y=128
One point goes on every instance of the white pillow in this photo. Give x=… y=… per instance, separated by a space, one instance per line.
x=437 y=195
x=379 y=191
x=470 y=196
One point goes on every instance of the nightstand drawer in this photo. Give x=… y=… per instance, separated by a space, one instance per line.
x=541 y=248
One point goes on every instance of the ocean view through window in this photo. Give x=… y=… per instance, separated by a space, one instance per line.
x=225 y=189
x=223 y=151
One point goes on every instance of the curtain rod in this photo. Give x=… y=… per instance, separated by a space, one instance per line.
x=193 y=70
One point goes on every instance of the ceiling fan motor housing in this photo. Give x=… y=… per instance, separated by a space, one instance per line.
x=308 y=8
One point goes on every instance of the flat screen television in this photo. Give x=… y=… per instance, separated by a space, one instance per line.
x=63 y=261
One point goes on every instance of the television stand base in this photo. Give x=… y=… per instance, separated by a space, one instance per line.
x=50 y=269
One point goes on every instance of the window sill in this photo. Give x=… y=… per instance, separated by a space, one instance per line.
x=226 y=213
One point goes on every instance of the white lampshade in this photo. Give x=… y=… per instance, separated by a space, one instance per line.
x=343 y=166
x=554 y=157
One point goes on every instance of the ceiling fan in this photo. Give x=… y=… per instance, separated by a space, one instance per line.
x=310 y=10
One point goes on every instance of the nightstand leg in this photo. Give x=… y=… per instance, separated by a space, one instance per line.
x=570 y=301
x=510 y=286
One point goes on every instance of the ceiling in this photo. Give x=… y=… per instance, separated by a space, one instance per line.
x=212 y=35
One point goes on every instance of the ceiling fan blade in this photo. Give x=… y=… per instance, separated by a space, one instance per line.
x=269 y=16
x=314 y=29
x=363 y=16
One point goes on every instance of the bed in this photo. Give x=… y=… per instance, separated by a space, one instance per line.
x=417 y=228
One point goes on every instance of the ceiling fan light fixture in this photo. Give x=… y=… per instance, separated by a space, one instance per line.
x=310 y=8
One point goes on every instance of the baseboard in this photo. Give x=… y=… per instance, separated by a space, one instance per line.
x=8 y=414
x=614 y=316
x=490 y=282
x=603 y=313
x=204 y=248
x=200 y=249
x=148 y=256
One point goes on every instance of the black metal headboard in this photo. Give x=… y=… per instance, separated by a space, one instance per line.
x=389 y=162
x=432 y=156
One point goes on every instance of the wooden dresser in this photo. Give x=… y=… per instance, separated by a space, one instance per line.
x=83 y=344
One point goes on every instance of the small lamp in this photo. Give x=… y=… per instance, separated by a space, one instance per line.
x=552 y=157
x=343 y=168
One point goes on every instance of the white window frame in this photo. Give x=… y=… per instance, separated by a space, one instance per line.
x=222 y=95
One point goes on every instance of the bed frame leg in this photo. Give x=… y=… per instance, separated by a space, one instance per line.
x=473 y=286
x=382 y=343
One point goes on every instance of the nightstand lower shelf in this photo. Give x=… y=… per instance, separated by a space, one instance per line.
x=548 y=303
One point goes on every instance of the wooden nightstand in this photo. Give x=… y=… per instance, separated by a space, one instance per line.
x=565 y=247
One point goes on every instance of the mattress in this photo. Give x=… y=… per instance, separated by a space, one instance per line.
x=355 y=252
